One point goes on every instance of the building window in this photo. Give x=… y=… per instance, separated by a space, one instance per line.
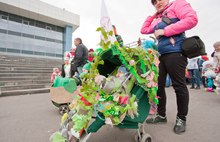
x=30 y=36
x=27 y=35
x=50 y=39
x=39 y=53
x=27 y=52
x=40 y=24
x=13 y=50
x=2 y=49
x=51 y=54
x=59 y=55
x=32 y=22
x=3 y=13
x=51 y=26
x=4 y=17
x=15 y=18
x=3 y=31
x=14 y=33
x=48 y=28
x=40 y=37
x=25 y=22
x=60 y=29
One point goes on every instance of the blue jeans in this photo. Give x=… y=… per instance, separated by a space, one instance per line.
x=195 y=78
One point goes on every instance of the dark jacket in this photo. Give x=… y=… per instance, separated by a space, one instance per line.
x=81 y=55
x=62 y=71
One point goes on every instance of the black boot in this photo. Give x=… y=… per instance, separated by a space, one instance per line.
x=180 y=126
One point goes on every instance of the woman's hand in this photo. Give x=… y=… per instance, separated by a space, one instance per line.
x=158 y=33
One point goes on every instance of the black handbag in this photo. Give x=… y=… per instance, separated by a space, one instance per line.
x=193 y=47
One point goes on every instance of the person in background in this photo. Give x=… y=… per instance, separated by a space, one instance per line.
x=216 y=59
x=80 y=58
x=168 y=81
x=168 y=24
x=187 y=77
x=194 y=72
x=90 y=57
x=56 y=72
x=71 y=54
x=209 y=74
x=66 y=68
x=203 y=59
x=118 y=37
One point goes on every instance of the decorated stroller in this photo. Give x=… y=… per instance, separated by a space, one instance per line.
x=129 y=122
x=125 y=105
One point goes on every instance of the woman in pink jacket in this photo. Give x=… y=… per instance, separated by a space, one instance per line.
x=168 y=24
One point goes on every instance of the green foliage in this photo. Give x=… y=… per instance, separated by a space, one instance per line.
x=92 y=95
x=111 y=33
x=57 y=137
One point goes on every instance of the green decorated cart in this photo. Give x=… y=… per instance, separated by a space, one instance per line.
x=117 y=90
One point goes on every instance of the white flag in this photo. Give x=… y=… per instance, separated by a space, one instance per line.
x=106 y=23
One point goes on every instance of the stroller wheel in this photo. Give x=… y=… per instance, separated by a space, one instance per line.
x=137 y=138
x=63 y=109
x=146 y=138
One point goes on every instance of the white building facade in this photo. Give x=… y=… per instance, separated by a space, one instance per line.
x=34 y=28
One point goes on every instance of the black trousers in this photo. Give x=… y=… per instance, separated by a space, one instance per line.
x=173 y=64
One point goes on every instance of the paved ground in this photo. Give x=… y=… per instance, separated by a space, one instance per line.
x=33 y=118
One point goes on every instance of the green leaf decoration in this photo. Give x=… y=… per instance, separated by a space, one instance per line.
x=99 y=29
x=57 y=137
x=71 y=86
x=111 y=33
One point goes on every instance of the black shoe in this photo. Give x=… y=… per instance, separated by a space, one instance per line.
x=192 y=87
x=156 y=120
x=197 y=87
x=180 y=126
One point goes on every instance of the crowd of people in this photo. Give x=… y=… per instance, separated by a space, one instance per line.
x=203 y=70
x=74 y=61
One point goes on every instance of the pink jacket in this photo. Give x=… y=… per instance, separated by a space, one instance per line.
x=183 y=18
x=177 y=9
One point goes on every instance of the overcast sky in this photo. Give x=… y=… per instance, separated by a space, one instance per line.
x=129 y=15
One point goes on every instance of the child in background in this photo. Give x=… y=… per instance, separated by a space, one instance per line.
x=209 y=74
x=200 y=64
x=56 y=72
x=66 y=68
x=90 y=57
x=71 y=54
x=216 y=59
